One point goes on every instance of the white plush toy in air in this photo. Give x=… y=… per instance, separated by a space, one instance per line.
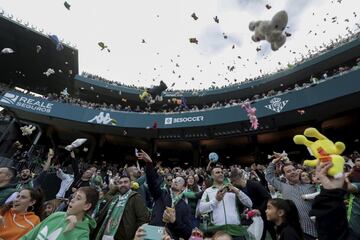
x=27 y=130
x=64 y=92
x=271 y=31
x=75 y=144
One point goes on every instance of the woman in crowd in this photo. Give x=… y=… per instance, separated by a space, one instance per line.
x=50 y=207
x=286 y=218
x=22 y=216
x=192 y=193
x=72 y=224
x=305 y=177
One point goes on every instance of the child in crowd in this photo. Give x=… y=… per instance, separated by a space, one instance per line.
x=286 y=218
x=72 y=224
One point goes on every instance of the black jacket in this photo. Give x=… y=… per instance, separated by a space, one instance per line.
x=286 y=232
x=330 y=212
x=182 y=227
x=77 y=183
x=258 y=195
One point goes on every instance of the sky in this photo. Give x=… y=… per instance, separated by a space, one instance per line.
x=167 y=25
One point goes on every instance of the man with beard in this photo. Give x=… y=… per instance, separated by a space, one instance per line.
x=135 y=176
x=121 y=216
x=222 y=203
x=293 y=190
x=169 y=209
x=80 y=180
x=26 y=180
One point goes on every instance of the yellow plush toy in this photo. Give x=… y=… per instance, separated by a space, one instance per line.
x=323 y=150
x=134 y=185
x=143 y=95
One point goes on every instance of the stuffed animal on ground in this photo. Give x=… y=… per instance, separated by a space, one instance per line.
x=323 y=150
x=271 y=31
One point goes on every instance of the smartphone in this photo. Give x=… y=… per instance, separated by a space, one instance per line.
x=153 y=232
x=136 y=152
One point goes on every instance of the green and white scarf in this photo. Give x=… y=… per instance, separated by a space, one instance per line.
x=175 y=198
x=113 y=217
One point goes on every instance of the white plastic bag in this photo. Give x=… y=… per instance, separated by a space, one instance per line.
x=255 y=230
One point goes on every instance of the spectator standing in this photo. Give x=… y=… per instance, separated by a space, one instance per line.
x=122 y=216
x=293 y=190
x=286 y=218
x=258 y=195
x=223 y=203
x=329 y=207
x=169 y=208
x=80 y=180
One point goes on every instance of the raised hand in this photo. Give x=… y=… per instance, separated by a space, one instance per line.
x=327 y=181
x=142 y=155
x=72 y=222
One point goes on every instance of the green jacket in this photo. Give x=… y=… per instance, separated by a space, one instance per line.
x=53 y=228
x=135 y=214
x=6 y=192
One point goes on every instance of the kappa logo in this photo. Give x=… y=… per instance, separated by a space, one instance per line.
x=43 y=234
x=276 y=104
x=103 y=118
x=168 y=121
x=9 y=98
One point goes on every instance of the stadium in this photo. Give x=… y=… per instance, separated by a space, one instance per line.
x=177 y=128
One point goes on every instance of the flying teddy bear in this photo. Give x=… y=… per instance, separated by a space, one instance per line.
x=271 y=31
x=27 y=130
x=323 y=150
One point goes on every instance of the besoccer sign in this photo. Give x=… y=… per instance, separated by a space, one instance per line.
x=171 y=120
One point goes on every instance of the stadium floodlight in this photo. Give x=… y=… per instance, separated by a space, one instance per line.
x=18 y=20
x=26 y=24
x=2 y=12
x=10 y=16
x=33 y=27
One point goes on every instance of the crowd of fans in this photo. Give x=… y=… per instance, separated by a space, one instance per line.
x=317 y=51
x=171 y=106
x=109 y=201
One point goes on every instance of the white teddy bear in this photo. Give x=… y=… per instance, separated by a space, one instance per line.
x=271 y=31
x=27 y=130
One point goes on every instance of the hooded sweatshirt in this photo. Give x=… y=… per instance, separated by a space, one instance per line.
x=17 y=225
x=53 y=228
